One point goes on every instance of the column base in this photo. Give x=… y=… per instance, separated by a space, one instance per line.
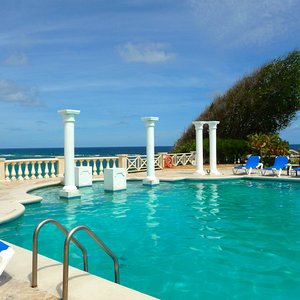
x=151 y=181
x=73 y=193
x=214 y=172
x=199 y=172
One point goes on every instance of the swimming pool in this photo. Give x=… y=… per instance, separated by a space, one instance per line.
x=237 y=239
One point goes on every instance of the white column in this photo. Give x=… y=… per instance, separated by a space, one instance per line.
x=69 y=190
x=150 y=123
x=199 y=147
x=213 y=147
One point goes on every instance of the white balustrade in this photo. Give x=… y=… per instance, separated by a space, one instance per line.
x=101 y=167
x=33 y=171
x=13 y=171
x=25 y=169
x=20 y=169
x=7 y=174
x=39 y=170
x=53 y=170
x=114 y=163
x=46 y=170
x=107 y=164
x=20 y=173
x=94 y=169
x=98 y=164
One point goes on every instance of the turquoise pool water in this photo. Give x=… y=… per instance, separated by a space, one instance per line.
x=234 y=239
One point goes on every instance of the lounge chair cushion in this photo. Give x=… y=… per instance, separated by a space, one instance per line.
x=279 y=163
x=252 y=163
x=6 y=253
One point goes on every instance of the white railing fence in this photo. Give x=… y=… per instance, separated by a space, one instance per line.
x=138 y=163
x=25 y=169
x=182 y=159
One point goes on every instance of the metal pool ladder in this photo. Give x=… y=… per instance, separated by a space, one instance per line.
x=68 y=239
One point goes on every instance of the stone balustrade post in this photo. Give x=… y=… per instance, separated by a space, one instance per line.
x=122 y=161
x=2 y=169
x=60 y=166
x=69 y=190
x=150 y=123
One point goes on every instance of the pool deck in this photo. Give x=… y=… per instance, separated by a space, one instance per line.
x=15 y=281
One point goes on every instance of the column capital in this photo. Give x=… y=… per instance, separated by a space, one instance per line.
x=69 y=114
x=212 y=124
x=150 y=121
x=199 y=124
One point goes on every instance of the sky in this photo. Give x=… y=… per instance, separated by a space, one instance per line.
x=117 y=61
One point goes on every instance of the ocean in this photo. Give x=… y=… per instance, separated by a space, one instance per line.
x=23 y=153
x=295 y=147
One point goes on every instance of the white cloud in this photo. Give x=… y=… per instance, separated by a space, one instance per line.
x=145 y=53
x=11 y=92
x=16 y=59
x=244 y=22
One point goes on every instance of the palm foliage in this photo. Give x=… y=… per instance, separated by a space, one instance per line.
x=268 y=145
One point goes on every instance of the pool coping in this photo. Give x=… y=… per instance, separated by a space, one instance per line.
x=14 y=197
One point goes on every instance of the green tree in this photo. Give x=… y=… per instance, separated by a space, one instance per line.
x=267 y=145
x=265 y=101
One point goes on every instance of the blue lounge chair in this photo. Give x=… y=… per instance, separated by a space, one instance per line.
x=6 y=253
x=280 y=163
x=252 y=163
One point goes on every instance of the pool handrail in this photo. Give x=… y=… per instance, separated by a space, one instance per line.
x=35 y=248
x=66 y=257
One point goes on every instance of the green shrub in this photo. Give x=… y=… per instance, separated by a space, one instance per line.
x=188 y=147
x=267 y=146
x=230 y=150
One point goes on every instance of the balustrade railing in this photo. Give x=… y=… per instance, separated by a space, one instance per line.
x=25 y=169
x=182 y=159
x=98 y=164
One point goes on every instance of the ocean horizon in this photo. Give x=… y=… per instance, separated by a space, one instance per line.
x=25 y=153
